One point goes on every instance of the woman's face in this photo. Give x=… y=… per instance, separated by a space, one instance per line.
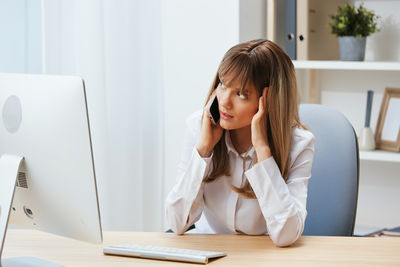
x=236 y=109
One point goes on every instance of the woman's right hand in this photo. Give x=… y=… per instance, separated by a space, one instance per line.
x=209 y=137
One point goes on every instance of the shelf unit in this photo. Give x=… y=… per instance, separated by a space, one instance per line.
x=379 y=184
x=380 y=155
x=314 y=65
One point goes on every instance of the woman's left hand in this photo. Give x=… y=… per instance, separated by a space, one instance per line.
x=259 y=129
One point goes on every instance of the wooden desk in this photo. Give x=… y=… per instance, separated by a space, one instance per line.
x=242 y=250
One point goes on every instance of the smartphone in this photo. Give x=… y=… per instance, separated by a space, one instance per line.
x=213 y=109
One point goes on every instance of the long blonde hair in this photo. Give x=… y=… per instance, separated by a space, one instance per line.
x=261 y=63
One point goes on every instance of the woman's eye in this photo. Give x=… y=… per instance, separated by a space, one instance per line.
x=242 y=96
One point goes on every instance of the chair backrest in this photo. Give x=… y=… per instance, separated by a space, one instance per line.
x=333 y=187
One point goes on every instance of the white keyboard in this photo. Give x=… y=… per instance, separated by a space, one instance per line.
x=163 y=253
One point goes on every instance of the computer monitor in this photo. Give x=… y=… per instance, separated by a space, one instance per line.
x=47 y=174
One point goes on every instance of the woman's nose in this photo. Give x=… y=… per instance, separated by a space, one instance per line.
x=225 y=99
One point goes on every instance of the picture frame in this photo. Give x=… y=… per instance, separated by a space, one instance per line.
x=387 y=134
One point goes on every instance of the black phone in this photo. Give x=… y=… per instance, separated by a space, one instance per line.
x=213 y=109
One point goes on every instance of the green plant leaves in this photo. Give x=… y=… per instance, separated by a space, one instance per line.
x=352 y=21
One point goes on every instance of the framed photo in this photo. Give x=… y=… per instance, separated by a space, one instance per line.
x=387 y=134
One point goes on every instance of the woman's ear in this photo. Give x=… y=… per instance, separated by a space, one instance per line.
x=265 y=93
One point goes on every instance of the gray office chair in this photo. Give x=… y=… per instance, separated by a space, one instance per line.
x=333 y=187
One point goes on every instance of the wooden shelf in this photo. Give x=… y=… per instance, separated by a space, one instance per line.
x=346 y=65
x=380 y=155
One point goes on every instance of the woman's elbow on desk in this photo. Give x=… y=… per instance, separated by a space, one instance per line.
x=179 y=230
x=175 y=220
x=289 y=233
x=284 y=242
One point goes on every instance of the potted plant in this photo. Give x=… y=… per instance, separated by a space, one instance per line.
x=352 y=25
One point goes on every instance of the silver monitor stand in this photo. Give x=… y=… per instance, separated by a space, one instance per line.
x=9 y=169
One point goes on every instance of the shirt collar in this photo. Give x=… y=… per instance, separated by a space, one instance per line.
x=230 y=148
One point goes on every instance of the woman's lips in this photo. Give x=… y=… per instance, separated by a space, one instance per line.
x=225 y=116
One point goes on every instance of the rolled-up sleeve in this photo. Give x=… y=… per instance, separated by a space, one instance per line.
x=283 y=204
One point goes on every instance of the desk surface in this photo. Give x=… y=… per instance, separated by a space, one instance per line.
x=242 y=250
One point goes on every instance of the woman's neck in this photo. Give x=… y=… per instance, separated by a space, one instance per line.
x=241 y=139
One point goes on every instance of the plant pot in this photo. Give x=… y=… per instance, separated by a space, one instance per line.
x=352 y=48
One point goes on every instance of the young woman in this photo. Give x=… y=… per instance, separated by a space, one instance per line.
x=249 y=173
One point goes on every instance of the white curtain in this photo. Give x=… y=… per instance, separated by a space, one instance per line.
x=115 y=45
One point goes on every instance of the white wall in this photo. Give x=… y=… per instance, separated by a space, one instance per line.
x=252 y=22
x=384 y=45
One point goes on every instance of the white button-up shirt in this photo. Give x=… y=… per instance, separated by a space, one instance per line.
x=279 y=209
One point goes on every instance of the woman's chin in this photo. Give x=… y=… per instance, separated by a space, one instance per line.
x=226 y=125
x=232 y=125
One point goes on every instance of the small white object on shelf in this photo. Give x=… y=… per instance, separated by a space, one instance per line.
x=380 y=155
x=366 y=140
